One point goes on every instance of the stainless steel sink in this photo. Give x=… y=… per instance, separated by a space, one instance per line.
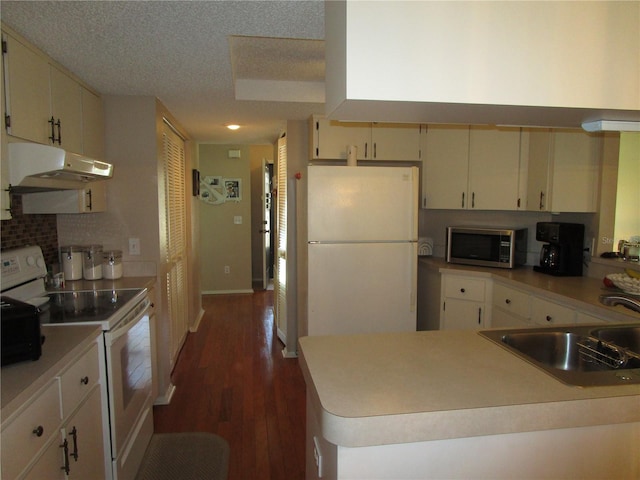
x=581 y=355
x=626 y=337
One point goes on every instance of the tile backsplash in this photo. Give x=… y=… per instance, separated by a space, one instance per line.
x=23 y=230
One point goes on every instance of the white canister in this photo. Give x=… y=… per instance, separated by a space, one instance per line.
x=92 y=262
x=112 y=264
x=71 y=259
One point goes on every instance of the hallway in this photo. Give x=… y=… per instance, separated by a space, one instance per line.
x=232 y=380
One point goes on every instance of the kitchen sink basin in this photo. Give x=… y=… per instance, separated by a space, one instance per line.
x=581 y=355
x=626 y=337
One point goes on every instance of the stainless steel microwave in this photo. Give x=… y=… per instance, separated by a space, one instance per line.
x=487 y=246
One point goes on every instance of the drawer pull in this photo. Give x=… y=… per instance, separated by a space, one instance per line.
x=38 y=431
x=74 y=435
x=462 y=290
x=84 y=380
x=507 y=301
x=65 y=447
x=549 y=318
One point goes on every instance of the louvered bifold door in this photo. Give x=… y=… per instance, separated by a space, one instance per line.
x=175 y=209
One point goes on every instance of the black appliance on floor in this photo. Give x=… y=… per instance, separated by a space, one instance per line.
x=562 y=255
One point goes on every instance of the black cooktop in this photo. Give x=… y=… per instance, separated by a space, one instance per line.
x=84 y=306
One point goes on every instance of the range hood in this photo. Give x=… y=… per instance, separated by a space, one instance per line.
x=35 y=167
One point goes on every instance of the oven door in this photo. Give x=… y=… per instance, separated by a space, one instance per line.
x=128 y=361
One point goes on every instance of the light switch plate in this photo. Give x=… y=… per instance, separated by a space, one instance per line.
x=237 y=220
x=134 y=246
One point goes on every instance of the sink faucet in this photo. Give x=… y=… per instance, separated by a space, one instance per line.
x=613 y=299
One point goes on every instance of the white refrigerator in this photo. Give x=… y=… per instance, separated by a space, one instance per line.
x=362 y=249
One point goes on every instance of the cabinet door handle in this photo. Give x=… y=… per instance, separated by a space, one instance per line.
x=38 y=431
x=65 y=448
x=479 y=316
x=462 y=199
x=473 y=200
x=549 y=318
x=462 y=290
x=74 y=435
x=507 y=301
x=375 y=149
x=90 y=197
x=52 y=122
x=84 y=380
x=541 y=199
x=58 y=124
x=366 y=149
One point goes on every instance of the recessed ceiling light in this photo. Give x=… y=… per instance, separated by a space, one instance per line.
x=233 y=127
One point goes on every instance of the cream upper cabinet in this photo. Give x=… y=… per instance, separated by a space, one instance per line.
x=391 y=141
x=66 y=111
x=374 y=141
x=27 y=91
x=494 y=168
x=92 y=124
x=330 y=139
x=91 y=199
x=445 y=167
x=45 y=104
x=563 y=170
x=471 y=168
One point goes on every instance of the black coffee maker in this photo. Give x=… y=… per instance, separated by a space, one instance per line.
x=562 y=255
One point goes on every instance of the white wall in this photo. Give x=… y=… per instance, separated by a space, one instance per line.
x=627 y=222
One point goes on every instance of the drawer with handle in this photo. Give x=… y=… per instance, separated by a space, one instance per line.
x=24 y=437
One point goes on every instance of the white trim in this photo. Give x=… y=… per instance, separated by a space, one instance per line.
x=196 y=325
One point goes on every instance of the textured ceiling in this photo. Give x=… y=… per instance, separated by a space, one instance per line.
x=188 y=54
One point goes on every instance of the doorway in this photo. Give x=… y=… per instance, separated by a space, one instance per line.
x=268 y=226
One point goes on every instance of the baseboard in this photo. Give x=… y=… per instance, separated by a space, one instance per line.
x=225 y=292
x=166 y=398
x=196 y=325
x=288 y=354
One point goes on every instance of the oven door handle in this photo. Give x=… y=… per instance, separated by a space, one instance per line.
x=128 y=323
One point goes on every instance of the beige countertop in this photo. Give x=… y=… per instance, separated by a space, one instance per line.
x=579 y=292
x=378 y=389
x=20 y=381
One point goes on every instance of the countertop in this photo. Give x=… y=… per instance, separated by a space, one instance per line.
x=378 y=389
x=579 y=292
x=20 y=381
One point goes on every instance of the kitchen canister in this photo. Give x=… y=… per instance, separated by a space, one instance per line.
x=71 y=258
x=112 y=264
x=92 y=262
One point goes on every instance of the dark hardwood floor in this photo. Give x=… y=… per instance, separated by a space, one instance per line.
x=231 y=379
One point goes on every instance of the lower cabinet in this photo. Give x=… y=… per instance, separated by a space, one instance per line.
x=40 y=443
x=511 y=307
x=463 y=304
x=544 y=312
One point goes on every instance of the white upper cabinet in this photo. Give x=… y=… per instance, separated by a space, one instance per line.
x=494 y=168
x=27 y=92
x=66 y=111
x=374 y=141
x=471 y=168
x=44 y=104
x=563 y=170
x=445 y=167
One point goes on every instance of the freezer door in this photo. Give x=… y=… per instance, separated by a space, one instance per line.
x=362 y=288
x=362 y=203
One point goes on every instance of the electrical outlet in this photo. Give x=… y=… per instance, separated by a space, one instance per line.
x=227 y=269
x=134 y=246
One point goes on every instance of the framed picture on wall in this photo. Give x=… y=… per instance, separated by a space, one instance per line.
x=233 y=189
